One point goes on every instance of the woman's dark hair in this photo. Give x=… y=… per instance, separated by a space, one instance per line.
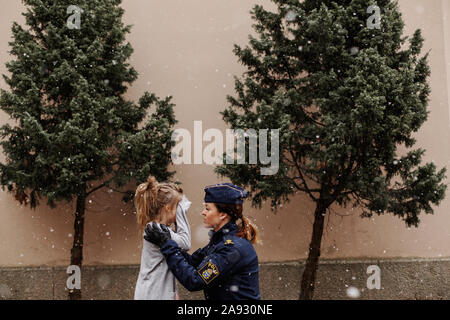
x=247 y=230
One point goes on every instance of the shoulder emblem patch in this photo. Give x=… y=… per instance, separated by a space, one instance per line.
x=229 y=241
x=208 y=272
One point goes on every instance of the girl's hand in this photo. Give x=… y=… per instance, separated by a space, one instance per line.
x=185 y=203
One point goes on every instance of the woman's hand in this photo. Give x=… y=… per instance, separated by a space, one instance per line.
x=156 y=235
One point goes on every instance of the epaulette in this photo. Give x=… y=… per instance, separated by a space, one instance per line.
x=229 y=241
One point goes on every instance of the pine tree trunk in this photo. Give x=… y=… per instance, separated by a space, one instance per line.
x=312 y=263
x=76 y=253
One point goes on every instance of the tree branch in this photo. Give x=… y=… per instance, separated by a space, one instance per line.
x=96 y=188
x=301 y=176
x=104 y=184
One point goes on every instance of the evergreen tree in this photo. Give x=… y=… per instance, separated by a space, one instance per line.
x=345 y=94
x=74 y=131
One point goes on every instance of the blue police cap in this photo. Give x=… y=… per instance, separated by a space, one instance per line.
x=225 y=193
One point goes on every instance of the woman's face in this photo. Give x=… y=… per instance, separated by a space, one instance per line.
x=212 y=218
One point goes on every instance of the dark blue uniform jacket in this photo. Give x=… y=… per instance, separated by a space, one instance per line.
x=226 y=269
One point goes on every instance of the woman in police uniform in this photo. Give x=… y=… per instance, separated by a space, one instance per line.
x=227 y=268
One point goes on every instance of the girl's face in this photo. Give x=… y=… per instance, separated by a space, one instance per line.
x=212 y=218
x=170 y=214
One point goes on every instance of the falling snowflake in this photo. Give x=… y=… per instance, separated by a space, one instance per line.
x=234 y=288
x=354 y=51
x=353 y=292
x=291 y=15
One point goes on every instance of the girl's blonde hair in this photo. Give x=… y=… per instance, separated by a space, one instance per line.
x=151 y=197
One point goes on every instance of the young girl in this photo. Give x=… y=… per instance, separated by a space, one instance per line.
x=162 y=203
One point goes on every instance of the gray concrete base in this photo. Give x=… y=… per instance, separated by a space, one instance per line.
x=399 y=279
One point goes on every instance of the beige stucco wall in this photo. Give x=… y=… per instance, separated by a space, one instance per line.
x=184 y=49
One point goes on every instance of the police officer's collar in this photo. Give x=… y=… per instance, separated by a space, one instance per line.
x=228 y=229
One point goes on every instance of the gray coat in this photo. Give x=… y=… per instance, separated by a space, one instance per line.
x=155 y=281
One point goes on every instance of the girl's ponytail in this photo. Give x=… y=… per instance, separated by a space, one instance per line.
x=145 y=200
x=151 y=197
